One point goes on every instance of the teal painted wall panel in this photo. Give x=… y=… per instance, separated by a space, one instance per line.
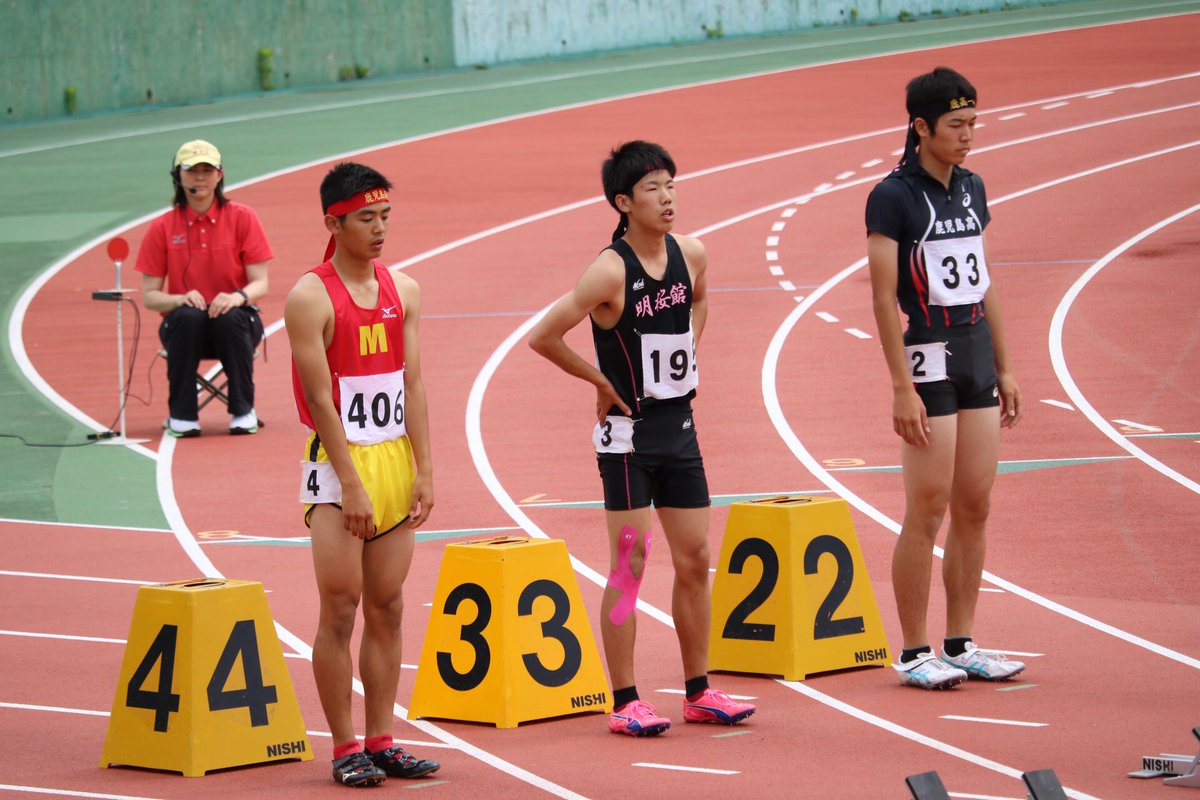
x=131 y=53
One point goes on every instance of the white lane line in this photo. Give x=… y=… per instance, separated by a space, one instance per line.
x=87 y=525
x=772 y=255
x=54 y=709
x=1059 y=404
x=1015 y=115
x=772 y=241
x=991 y=721
x=788 y=212
x=678 y=768
x=1058 y=359
x=1139 y=426
x=64 y=636
x=1094 y=95
x=12 y=787
x=874 y=162
x=778 y=226
x=857 y=334
x=841 y=176
x=1051 y=106
x=777 y=271
x=825 y=315
x=787 y=286
x=58 y=576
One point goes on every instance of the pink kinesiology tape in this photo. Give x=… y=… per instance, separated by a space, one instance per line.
x=622 y=578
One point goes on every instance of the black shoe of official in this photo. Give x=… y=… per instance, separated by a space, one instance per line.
x=398 y=763
x=356 y=769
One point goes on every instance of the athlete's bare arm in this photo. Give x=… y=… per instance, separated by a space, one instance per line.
x=601 y=294
x=1011 y=409
x=908 y=411
x=308 y=314
x=696 y=256
x=416 y=409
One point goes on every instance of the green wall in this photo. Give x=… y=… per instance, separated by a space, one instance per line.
x=131 y=53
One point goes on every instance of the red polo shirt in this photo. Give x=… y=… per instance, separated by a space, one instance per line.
x=206 y=252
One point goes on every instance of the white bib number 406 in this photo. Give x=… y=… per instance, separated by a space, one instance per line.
x=373 y=407
x=669 y=365
x=958 y=274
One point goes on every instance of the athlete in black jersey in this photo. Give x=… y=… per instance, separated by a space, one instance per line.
x=952 y=384
x=645 y=295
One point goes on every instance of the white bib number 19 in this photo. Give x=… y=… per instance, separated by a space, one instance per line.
x=669 y=365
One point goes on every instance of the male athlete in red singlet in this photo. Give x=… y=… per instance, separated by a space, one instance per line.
x=367 y=478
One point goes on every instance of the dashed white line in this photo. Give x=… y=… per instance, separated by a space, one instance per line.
x=1059 y=404
x=679 y=768
x=772 y=241
x=776 y=271
x=1050 y=106
x=874 y=162
x=1138 y=425
x=1094 y=95
x=787 y=286
x=823 y=187
x=857 y=334
x=991 y=721
x=778 y=226
x=841 y=176
x=788 y=212
x=825 y=315
x=1013 y=115
x=772 y=255
x=799 y=298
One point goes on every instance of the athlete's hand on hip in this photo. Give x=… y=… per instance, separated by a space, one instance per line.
x=606 y=398
x=909 y=419
x=358 y=516
x=1011 y=408
x=422 y=501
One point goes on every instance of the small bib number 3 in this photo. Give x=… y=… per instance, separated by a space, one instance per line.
x=614 y=436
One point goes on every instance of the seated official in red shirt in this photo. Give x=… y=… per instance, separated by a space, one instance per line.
x=203 y=266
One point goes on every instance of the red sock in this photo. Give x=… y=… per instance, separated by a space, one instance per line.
x=377 y=744
x=343 y=750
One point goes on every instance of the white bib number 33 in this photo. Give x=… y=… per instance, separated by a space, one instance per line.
x=958 y=274
x=373 y=407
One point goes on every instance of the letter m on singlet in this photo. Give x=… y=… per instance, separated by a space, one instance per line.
x=372 y=339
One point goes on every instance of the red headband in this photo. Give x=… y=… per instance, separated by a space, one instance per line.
x=349 y=206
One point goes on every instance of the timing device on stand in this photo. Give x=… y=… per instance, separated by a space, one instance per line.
x=118 y=251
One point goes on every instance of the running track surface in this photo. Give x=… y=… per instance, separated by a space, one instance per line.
x=1088 y=140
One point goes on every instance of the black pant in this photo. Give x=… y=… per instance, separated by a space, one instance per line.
x=189 y=335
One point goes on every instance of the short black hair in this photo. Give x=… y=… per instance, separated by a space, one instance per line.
x=625 y=166
x=348 y=179
x=927 y=97
x=930 y=95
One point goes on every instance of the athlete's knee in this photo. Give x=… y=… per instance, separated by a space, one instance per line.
x=384 y=612
x=338 y=613
x=633 y=551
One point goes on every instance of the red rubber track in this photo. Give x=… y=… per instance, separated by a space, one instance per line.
x=1109 y=539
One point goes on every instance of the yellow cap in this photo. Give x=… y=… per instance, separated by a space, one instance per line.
x=197 y=152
